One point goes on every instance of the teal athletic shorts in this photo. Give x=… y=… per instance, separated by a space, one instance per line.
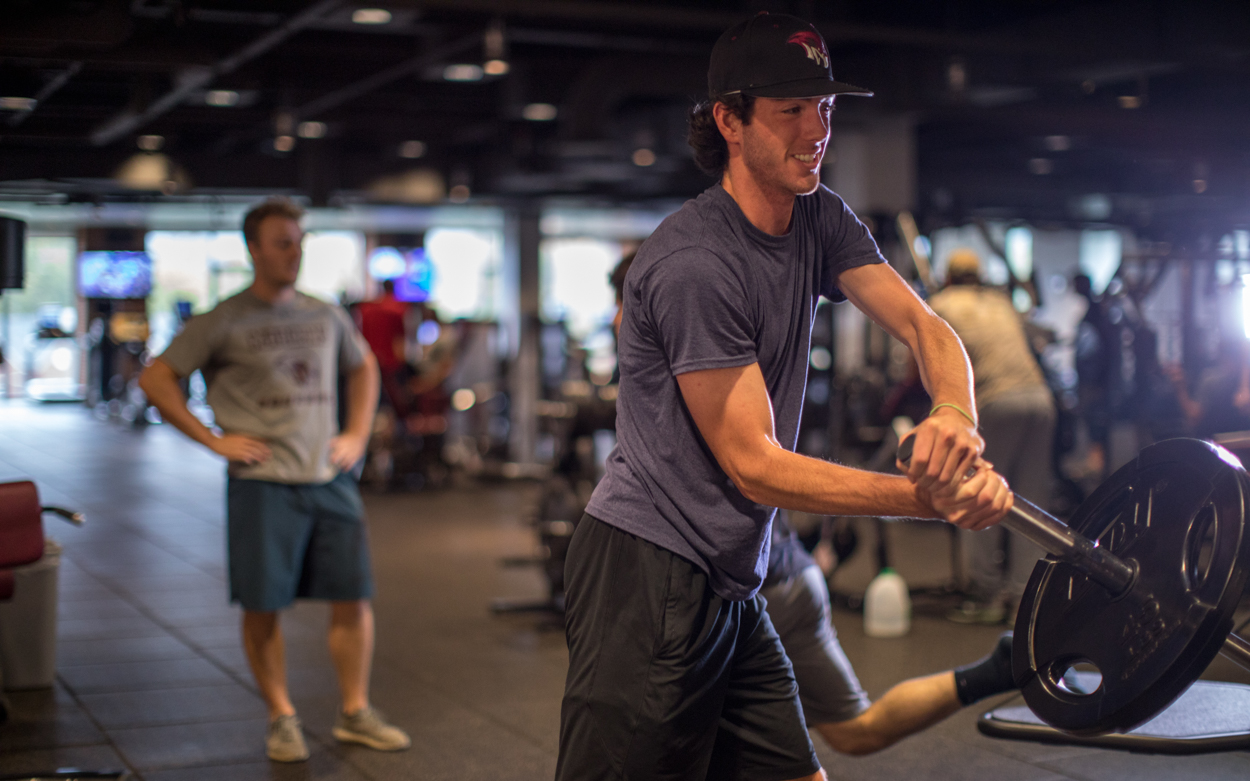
x=302 y=541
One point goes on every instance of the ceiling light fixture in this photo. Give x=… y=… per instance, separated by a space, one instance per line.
x=1130 y=101
x=539 y=112
x=411 y=150
x=459 y=194
x=463 y=72
x=17 y=104
x=311 y=130
x=284 y=143
x=371 y=16
x=1041 y=166
x=1058 y=143
x=957 y=76
x=221 y=97
x=644 y=157
x=495 y=49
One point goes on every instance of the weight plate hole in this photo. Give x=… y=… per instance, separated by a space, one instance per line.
x=1200 y=547
x=1082 y=678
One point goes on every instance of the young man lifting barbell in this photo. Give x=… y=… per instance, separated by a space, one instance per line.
x=675 y=670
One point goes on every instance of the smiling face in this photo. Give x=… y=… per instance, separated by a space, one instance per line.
x=277 y=251
x=785 y=141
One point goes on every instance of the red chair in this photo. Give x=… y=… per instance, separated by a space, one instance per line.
x=21 y=529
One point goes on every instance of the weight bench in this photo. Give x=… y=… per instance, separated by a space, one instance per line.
x=1209 y=716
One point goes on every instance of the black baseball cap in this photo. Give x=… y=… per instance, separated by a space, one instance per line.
x=774 y=56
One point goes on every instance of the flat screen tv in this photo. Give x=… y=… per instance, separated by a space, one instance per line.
x=418 y=277
x=114 y=274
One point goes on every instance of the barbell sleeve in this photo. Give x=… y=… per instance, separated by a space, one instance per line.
x=1237 y=649
x=1101 y=566
x=1058 y=539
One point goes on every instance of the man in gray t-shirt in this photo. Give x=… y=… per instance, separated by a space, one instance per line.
x=675 y=669
x=271 y=358
x=1018 y=426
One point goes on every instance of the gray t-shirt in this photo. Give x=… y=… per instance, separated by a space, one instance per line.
x=710 y=290
x=272 y=373
x=992 y=333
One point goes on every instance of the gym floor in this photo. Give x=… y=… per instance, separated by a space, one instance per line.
x=151 y=676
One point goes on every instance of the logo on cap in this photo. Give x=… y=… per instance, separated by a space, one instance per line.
x=812 y=45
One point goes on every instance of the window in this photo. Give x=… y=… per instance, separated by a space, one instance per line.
x=334 y=266
x=1100 y=256
x=575 y=287
x=465 y=266
x=46 y=302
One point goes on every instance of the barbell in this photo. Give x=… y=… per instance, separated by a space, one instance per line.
x=1142 y=586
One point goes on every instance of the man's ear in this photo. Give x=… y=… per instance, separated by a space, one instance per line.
x=729 y=123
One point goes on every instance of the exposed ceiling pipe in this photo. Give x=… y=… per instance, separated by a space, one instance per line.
x=693 y=19
x=370 y=83
x=48 y=90
x=198 y=78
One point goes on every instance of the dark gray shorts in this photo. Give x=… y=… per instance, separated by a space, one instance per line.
x=667 y=680
x=296 y=541
x=828 y=688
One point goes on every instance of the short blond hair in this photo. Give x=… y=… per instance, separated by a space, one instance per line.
x=274 y=207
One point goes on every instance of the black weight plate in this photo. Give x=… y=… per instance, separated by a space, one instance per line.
x=1179 y=513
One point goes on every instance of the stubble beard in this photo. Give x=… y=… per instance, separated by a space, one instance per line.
x=772 y=176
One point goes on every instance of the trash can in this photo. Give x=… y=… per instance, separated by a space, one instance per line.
x=28 y=624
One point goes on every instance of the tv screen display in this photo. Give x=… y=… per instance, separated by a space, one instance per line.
x=414 y=285
x=114 y=274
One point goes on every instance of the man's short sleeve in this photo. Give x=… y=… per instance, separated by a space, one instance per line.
x=351 y=343
x=699 y=311
x=846 y=243
x=193 y=347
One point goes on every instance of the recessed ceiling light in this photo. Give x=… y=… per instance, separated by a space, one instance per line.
x=1058 y=143
x=459 y=194
x=1041 y=166
x=150 y=143
x=539 y=112
x=644 y=157
x=463 y=72
x=284 y=143
x=412 y=149
x=17 y=104
x=311 y=129
x=1130 y=101
x=371 y=16
x=495 y=67
x=221 y=97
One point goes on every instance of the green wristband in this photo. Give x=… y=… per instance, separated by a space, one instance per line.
x=955 y=407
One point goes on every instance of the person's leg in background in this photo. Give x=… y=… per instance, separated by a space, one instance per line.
x=985 y=551
x=1030 y=477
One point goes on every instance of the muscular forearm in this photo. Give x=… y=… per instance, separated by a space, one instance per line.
x=362 y=397
x=160 y=384
x=944 y=366
x=797 y=482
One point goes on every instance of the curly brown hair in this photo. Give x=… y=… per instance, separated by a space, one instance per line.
x=274 y=207
x=711 y=153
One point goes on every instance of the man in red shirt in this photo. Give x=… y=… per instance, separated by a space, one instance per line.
x=382 y=325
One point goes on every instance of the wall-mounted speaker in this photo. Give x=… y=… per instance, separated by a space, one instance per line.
x=12 y=252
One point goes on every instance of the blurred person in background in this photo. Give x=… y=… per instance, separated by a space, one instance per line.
x=1220 y=402
x=1099 y=357
x=271 y=358
x=1017 y=421
x=382 y=324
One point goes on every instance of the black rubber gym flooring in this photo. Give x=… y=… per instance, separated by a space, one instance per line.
x=152 y=678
